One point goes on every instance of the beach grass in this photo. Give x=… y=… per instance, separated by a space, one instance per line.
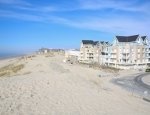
x=102 y=67
x=10 y=69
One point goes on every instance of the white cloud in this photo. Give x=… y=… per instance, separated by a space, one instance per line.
x=20 y=16
x=124 y=5
x=113 y=23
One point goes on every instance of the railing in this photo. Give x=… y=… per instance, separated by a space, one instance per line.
x=113 y=57
x=125 y=57
x=114 y=52
x=125 y=52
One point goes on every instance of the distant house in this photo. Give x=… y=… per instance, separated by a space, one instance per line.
x=43 y=51
x=47 y=50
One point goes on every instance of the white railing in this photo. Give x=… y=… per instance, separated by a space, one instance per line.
x=125 y=57
x=113 y=57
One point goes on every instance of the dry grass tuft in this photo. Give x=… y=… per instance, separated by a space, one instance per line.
x=10 y=69
x=101 y=67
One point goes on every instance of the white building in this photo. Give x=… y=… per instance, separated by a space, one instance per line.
x=43 y=51
x=72 y=55
x=89 y=51
x=128 y=52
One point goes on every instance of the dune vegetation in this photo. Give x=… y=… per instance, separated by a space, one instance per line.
x=10 y=69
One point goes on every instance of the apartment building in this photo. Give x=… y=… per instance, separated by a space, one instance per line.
x=128 y=52
x=102 y=55
x=90 y=51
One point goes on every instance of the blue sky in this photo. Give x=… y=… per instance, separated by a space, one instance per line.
x=26 y=25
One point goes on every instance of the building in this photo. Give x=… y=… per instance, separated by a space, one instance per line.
x=72 y=55
x=91 y=51
x=43 y=51
x=127 y=52
x=47 y=50
x=103 y=47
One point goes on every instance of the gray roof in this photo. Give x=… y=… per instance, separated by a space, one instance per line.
x=90 y=42
x=103 y=42
x=127 y=38
x=143 y=37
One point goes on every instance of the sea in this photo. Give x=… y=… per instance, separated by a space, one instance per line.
x=8 y=55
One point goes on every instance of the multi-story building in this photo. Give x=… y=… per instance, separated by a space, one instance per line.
x=90 y=51
x=128 y=52
x=103 y=46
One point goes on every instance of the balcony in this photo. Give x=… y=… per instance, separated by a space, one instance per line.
x=125 y=57
x=113 y=61
x=126 y=52
x=113 y=52
x=147 y=55
x=113 y=57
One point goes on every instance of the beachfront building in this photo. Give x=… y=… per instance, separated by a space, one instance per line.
x=48 y=51
x=128 y=52
x=43 y=51
x=72 y=55
x=91 y=51
x=103 y=49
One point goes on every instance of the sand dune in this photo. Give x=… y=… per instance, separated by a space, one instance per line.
x=47 y=86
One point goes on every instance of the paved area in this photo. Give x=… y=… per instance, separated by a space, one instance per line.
x=134 y=84
x=146 y=79
x=139 y=81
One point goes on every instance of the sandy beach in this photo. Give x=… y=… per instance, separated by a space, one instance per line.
x=48 y=86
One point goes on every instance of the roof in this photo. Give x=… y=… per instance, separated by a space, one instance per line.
x=143 y=37
x=42 y=49
x=103 y=42
x=127 y=38
x=106 y=42
x=90 y=42
x=95 y=42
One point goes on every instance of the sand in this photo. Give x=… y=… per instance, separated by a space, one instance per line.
x=48 y=86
